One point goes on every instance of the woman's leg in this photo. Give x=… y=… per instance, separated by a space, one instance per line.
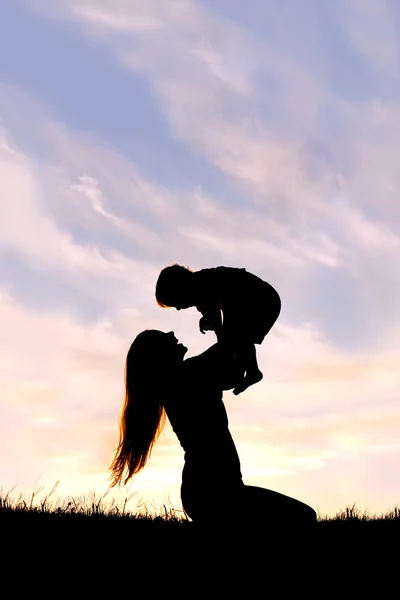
x=245 y=508
x=272 y=508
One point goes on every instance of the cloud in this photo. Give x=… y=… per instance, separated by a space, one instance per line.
x=88 y=188
x=29 y=230
x=264 y=153
x=371 y=27
x=84 y=190
x=315 y=178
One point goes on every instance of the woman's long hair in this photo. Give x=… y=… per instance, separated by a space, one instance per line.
x=143 y=415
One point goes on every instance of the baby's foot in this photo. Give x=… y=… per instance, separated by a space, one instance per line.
x=250 y=379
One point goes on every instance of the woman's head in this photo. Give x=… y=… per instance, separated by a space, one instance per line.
x=174 y=287
x=153 y=348
x=152 y=355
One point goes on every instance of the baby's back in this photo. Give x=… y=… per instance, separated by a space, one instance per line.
x=231 y=286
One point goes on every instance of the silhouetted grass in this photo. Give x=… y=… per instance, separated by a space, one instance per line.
x=352 y=529
x=77 y=535
x=353 y=514
x=87 y=510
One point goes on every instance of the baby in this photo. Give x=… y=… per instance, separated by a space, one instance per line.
x=249 y=305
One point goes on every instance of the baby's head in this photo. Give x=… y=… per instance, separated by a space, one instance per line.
x=174 y=287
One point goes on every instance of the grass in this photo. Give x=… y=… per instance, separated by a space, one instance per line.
x=351 y=527
x=97 y=510
x=103 y=540
x=82 y=512
x=353 y=514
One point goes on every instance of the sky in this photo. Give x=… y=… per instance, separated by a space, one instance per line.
x=263 y=135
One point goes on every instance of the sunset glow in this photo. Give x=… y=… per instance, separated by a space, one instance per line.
x=263 y=135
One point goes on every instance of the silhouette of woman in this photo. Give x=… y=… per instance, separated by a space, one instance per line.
x=159 y=382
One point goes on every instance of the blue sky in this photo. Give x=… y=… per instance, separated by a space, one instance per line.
x=263 y=135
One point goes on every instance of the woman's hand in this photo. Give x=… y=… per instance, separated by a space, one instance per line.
x=205 y=325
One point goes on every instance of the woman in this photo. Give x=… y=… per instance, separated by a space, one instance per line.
x=159 y=381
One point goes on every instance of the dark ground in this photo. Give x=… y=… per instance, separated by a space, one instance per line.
x=46 y=552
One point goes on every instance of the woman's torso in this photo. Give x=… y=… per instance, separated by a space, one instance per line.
x=198 y=417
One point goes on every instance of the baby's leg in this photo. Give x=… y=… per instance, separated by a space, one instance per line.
x=246 y=356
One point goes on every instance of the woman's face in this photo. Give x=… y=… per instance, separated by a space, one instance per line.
x=173 y=347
